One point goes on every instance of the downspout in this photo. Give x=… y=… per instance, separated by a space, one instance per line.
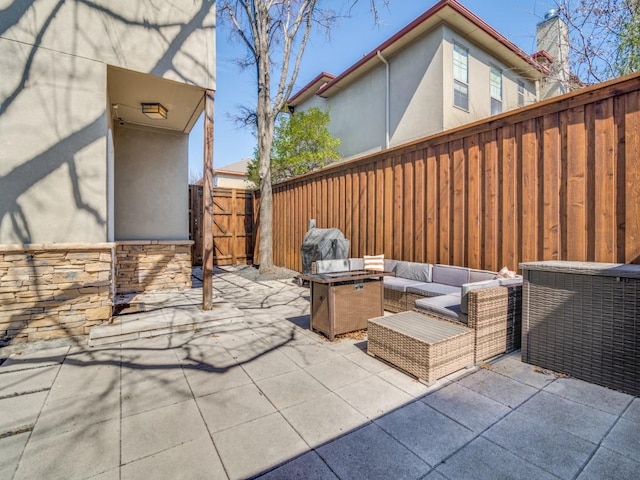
x=387 y=102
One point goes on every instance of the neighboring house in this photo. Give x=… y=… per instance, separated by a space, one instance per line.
x=97 y=100
x=233 y=175
x=445 y=69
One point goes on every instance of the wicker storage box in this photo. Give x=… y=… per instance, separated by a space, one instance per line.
x=583 y=319
x=424 y=346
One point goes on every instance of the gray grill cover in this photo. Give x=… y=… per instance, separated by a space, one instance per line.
x=323 y=244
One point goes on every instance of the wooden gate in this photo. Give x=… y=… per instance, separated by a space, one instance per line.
x=232 y=225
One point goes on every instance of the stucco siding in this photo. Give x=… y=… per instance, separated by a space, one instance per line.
x=165 y=39
x=416 y=83
x=480 y=62
x=150 y=185
x=52 y=147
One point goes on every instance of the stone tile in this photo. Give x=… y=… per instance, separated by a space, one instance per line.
x=575 y=418
x=140 y=365
x=373 y=396
x=196 y=459
x=337 y=373
x=427 y=433
x=512 y=366
x=86 y=378
x=67 y=414
x=291 y=388
x=542 y=443
x=633 y=412
x=268 y=364
x=465 y=406
x=404 y=382
x=323 y=419
x=484 y=460
x=158 y=390
x=77 y=454
x=10 y=451
x=434 y=475
x=498 y=387
x=38 y=358
x=113 y=474
x=368 y=362
x=369 y=453
x=624 y=439
x=25 y=381
x=233 y=407
x=307 y=354
x=205 y=381
x=610 y=465
x=160 y=429
x=308 y=467
x=20 y=412
x=595 y=396
x=258 y=446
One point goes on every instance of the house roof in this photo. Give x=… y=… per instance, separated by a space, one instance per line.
x=450 y=12
x=237 y=168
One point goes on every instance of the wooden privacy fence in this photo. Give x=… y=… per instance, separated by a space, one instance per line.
x=232 y=225
x=556 y=180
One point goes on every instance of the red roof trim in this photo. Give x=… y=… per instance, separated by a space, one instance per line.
x=459 y=8
x=544 y=54
x=322 y=76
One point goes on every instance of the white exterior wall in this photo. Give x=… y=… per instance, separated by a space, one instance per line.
x=150 y=185
x=231 y=181
x=53 y=102
x=479 y=75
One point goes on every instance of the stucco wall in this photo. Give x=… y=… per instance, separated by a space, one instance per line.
x=54 y=112
x=52 y=147
x=231 y=181
x=480 y=63
x=151 y=184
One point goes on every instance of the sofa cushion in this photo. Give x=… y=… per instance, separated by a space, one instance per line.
x=510 y=282
x=390 y=265
x=481 y=275
x=447 y=306
x=356 y=264
x=374 y=262
x=431 y=289
x=398 y=284
x=327 y=266
x=450 y=275
x=467 y=287
x=414 y=271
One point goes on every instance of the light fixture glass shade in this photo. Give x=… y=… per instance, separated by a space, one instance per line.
x=157 y=111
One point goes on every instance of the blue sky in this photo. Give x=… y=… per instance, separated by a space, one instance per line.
x=350 y=39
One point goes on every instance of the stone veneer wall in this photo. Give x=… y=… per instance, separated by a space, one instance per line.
x=53 y=290
x=153 y=265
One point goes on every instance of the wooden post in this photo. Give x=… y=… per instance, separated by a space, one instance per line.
x=207 y=205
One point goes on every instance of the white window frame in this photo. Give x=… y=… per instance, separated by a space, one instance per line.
x=458 y=80
x=520 y=93
x=496 y=97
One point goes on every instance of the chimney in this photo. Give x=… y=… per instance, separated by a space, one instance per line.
x=552 y=42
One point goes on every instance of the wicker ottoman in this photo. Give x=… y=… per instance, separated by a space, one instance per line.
x=426 y=347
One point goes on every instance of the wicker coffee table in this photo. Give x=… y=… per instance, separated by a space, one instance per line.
x=426 y=347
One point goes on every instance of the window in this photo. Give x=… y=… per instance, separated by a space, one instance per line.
x=460 y=77
x=520 y=93
x=496 y=90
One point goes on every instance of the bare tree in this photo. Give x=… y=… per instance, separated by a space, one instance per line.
x=275 y=33
x=604 y=37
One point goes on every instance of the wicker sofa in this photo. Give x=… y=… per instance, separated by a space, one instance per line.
x=489 y=305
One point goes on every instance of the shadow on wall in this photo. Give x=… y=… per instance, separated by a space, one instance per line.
x=31 y=171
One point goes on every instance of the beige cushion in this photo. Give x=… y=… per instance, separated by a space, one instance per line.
x=374 y=262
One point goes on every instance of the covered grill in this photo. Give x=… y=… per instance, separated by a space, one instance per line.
x=322 y=244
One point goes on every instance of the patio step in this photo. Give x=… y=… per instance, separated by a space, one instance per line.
x=155 y=315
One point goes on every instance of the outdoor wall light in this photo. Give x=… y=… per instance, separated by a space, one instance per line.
x=157 y=111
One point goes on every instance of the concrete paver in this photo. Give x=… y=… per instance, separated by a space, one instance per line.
x=262 y=394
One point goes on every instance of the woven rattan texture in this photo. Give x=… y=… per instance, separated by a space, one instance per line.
x=395 y=301
x=423 y=346
x=584 y=325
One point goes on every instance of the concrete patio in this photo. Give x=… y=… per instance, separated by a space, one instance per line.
x=258 y=394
